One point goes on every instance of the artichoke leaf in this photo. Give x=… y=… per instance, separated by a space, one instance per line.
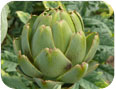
x=55 y=16
x=52 y=62
x=42 y=39
x=61 y=34
x=27 y=67
x=77 y=21
x=80 y=18
x=92 y=42
x=77 y=48
x=47 y=20
x=46 y=84
x=25 y=44
x=65 y=16
x=31 y=24
x=36 y=23
x=92 y=66
x=42 y=19
x=17 y=45
x=74 y=74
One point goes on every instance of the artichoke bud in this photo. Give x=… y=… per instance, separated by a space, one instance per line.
x=53 y=48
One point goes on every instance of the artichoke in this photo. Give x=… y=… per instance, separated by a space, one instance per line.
x=53 y=49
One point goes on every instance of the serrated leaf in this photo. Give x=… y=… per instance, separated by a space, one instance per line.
x=21 y=6
x=87 y=84
x=9 y=56
x=23 y=16
x=97 y=79
x=103 y=53
x=13 y=82
x=108 y=72
x=8 y=66
x=4 y=23
x=110 y=11
x=93 y=81
x=17 y=82
x=96 y=24
x=9 y=61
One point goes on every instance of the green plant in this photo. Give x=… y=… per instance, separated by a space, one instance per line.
x=53 y=49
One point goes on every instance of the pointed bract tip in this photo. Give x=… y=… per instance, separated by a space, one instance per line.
x=80 y=32
x=43 y=26
x=61 y=21
x=50 y=50
x=71 y=12
x=31 y=16
x=60 y=8
x=19 y=54
x=97 y=65
x=82 y=65
x=27 y=25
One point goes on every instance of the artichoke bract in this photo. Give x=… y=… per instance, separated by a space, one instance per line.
x=53 y=49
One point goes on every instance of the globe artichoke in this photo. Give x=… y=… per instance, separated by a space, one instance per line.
x=53 y=49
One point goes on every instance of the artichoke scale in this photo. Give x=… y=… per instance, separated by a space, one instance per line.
x=74 y=74
x=92 y=65
x=77 y=48
x=47 y=84
x=41 y=20
x=77 y=21
x=27 y=67
x=55 y=16
x=31 y=24
x=52 y=62
x=42 y=39
x=36 y=23
x=61 y=35
x=92 y=42
x=80 y=18
x=65 y=16
x=47 y=20
x=25 y=42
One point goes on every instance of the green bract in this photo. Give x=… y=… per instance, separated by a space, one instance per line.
x=53 y=49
